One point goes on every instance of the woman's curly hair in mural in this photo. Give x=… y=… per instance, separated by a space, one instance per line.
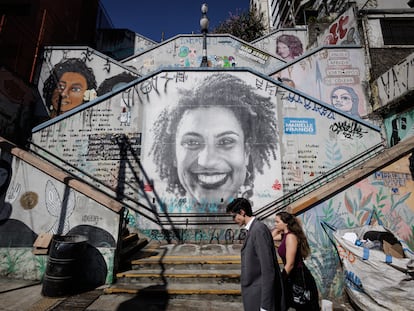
x=293 y=43
x=112 y=83
x=254 y=112
x=67 y=65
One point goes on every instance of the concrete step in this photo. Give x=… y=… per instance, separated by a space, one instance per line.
x=182 y=276
x=190 y=262
x=146 y=301
x=182 y=271
x=179 y=290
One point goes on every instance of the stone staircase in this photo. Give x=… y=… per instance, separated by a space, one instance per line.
x=200 y=277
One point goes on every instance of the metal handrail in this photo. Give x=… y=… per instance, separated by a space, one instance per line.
x=284 y=201
x=196 y=219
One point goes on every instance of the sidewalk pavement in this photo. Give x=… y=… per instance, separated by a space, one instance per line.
x=21 y=295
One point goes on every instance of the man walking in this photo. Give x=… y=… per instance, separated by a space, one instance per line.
x=261 y=281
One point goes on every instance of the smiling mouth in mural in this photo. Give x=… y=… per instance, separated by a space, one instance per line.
x=211 y=180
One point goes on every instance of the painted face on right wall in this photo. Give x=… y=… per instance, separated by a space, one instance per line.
x=342 y=100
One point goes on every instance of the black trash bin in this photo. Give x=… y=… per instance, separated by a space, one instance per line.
x=63 y=269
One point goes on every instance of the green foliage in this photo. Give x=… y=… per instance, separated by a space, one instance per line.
x=41 y=263
x=244 y=25
x=11 y=260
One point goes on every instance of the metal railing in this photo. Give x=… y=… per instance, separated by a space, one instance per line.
x=150 y=211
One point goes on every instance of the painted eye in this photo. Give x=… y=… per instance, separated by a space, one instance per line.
x=226 y=141
x=192 y=144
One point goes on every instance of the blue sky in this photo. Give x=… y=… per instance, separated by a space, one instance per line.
x=152 y=17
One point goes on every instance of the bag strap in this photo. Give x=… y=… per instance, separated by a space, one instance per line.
x=303 y=276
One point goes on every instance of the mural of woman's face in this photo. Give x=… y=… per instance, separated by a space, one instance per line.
x=211 y=154
x=283 y=50
x=342 y=100
x=71 y=88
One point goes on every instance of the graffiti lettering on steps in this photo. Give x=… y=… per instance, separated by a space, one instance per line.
x=310 y=105
x=348 y=129
x=270 y=88
x=212 y=235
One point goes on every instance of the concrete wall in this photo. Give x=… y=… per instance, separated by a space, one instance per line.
x=294 y=39
x=342 y=31
x=36 y=198
x=395 y=83
x=125 y=141
x=184 y=51
x=101 y=72
x=387 y=191
x=399 y=126
x=142 y=43
x=328 y=72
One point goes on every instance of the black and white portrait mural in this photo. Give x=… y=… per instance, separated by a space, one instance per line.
x=213 y=144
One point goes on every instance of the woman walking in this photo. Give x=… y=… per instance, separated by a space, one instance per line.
x=301 y=292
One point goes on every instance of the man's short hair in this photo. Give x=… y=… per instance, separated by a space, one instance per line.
x=240 y=204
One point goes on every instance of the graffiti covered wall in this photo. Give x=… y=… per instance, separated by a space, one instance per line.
x=142 y=43
x=32 y=202
x=334 y=75
x=399 y=127
x=70 y=77
x=286 y=44
x=395 y=83
x=223 y=51
x=388 y=192
x=162 y=142
x=343 y=31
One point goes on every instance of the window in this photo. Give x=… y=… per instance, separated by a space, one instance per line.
x=398 y=31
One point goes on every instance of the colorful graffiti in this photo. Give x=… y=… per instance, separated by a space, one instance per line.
x=342 y=31
x=333 y=75
x=70 y=78
x=223 y=51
